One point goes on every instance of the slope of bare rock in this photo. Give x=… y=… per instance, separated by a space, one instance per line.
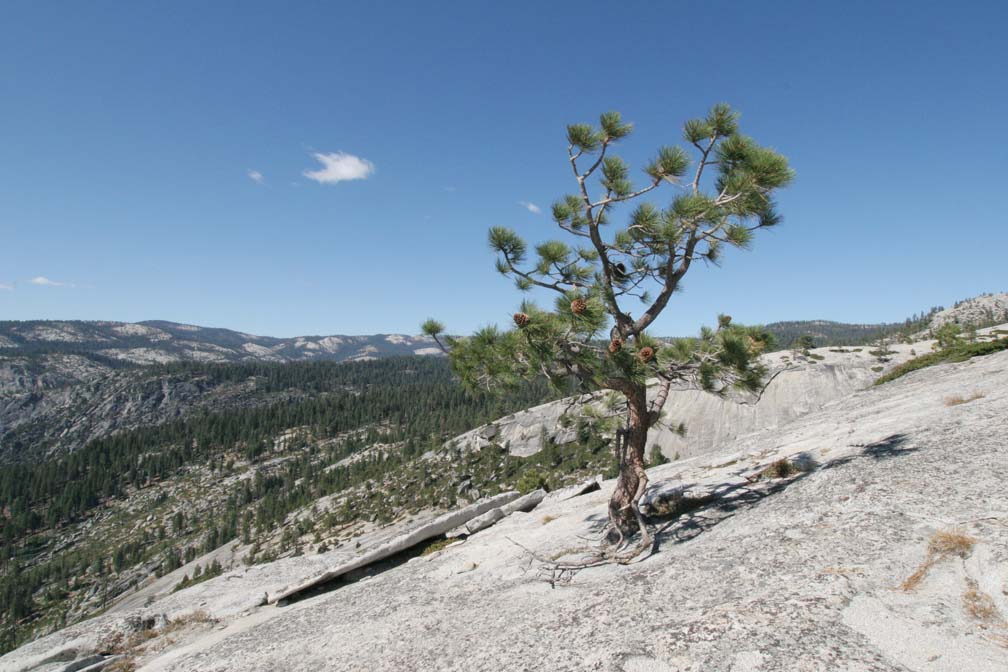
x=803 y=383
x=805 y=572
x=977 y=310
x=797 y=573
x=240 y=591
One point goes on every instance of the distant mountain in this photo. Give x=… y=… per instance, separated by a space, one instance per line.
x=64 y=383
x=980 y=311
x=161 y=342
x=827 y=332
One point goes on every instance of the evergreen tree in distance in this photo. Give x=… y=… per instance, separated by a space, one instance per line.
x=594 y=338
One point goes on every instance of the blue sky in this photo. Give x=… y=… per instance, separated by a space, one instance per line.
x=154 y=155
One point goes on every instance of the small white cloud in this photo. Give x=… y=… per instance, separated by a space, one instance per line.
x=5 y=287
x=46 y=282
x=340 y=167
x=531 y=207
x=256 y=176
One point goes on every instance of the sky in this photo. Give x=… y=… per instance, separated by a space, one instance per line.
x=333 y=168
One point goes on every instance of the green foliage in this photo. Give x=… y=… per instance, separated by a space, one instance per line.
x=432 y=327
x=949 y=335
x=583 y=137
x=199 y=576
x=531 y=480
x=803 y=342
x=656 y=456
x=957 y=353
x=730 y=197
x=436 y=544
x=782 y=468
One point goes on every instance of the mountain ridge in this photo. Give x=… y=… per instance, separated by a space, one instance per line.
x=160 y=341
x=163 y=341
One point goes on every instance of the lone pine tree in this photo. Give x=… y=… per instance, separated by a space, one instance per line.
x=721 y=193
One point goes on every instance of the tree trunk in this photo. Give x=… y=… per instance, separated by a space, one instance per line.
x=631 y=442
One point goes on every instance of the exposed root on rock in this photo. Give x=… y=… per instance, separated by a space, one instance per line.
x=562 y=573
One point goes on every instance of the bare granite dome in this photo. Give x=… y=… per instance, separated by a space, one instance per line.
x=843 y=564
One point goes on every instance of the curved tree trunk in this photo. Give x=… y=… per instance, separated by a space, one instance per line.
x=631 y=442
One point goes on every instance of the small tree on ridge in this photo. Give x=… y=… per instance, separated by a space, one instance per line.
x=592 y=339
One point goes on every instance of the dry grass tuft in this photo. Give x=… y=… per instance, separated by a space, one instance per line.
x=979 y=605
x=953 y=542
x=135 y=644
x=547 y=519
x=943 y=544
x=197 y=617
x=122 y=665
x=914 y=579
x=956 y=399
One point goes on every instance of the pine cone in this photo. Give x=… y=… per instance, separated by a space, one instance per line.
x=521 y=319
x=724 y=320
x=615 y=345
x=579 y=306
x=645 y=354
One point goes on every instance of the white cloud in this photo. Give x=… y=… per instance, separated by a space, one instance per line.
x=339 y=167
x=46 y=282
x=256 y=176
x=5 y=287
x=531 y=207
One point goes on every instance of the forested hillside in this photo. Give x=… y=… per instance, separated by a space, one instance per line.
x=71 y=540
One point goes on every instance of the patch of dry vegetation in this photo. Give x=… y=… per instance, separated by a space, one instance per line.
x=956 y=399
x=979 y=604
x=943 y=544
x=132 y=646
x=982 y=608
x=782 y=468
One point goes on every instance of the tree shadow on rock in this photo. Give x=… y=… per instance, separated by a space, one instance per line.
x=691 y=517
x=889 y=447
x=693 y=520
x=892 y=446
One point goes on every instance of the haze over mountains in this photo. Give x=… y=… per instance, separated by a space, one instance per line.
x=158 y=341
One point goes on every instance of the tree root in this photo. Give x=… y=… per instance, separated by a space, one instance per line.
x=562 y=573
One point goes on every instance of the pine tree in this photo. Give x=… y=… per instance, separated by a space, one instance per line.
x=590 y=340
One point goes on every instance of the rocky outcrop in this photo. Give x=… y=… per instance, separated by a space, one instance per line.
x=427 y=530
x=979 y=310
x=765 y=569
x=802 y=383
x=525 y=503
x=67 y=407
